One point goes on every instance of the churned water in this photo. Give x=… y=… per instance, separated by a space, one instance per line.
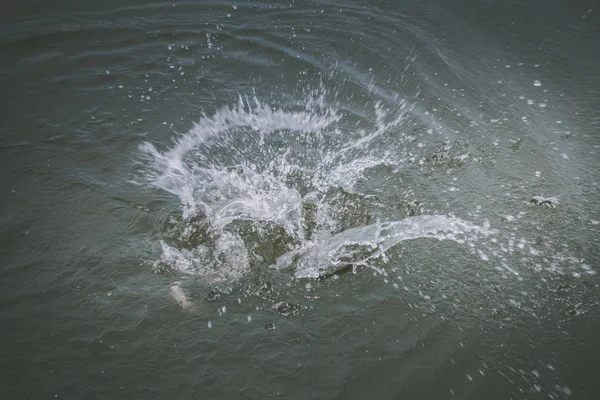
x=339 y=200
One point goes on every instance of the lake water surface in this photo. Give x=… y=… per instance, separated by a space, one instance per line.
x=300 y=200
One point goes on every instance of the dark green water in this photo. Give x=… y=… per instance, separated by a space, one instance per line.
x=335 y=200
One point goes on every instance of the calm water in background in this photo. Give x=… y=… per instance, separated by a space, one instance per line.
x=248 y=256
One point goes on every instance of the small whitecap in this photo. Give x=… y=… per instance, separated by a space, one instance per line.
x=537 y=83
x=209 y=324
x=249 y=318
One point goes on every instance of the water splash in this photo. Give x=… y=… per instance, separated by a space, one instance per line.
x=257 y=167
x=288 y=186
x=359 y=246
